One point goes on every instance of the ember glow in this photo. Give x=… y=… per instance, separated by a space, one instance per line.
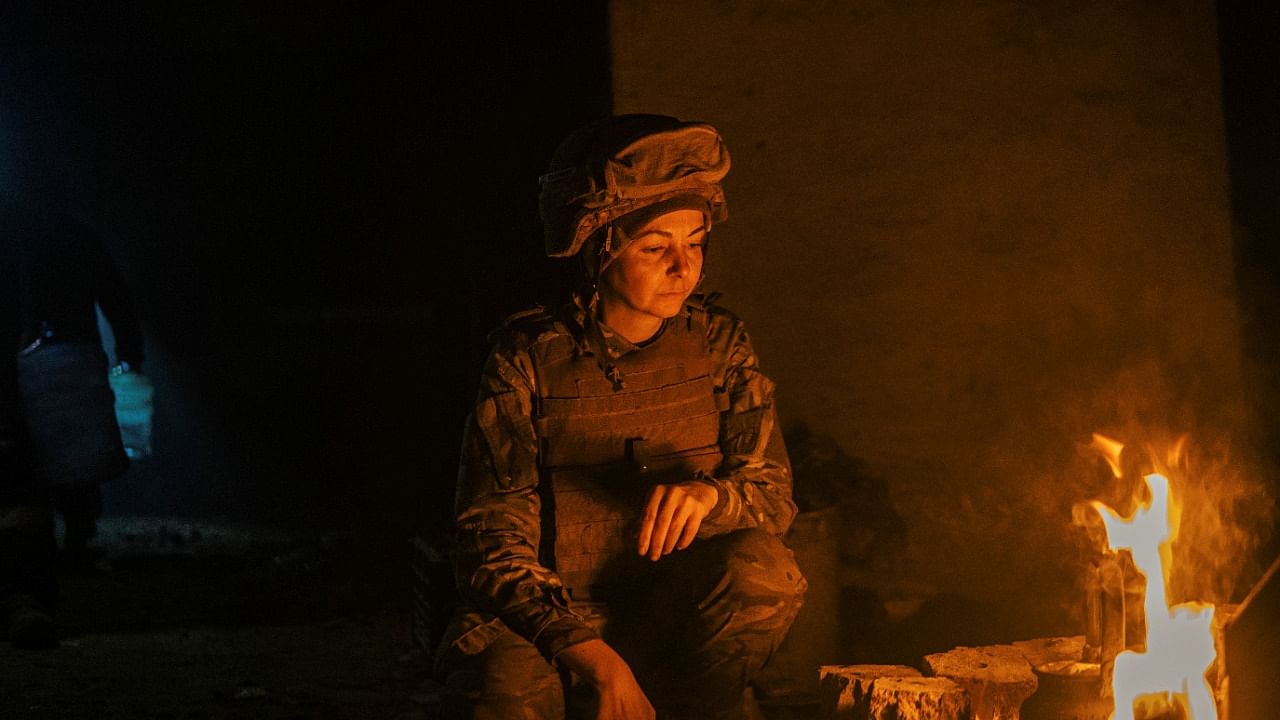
x=1179 y=643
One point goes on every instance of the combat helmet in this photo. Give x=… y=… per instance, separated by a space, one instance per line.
x=624 y=164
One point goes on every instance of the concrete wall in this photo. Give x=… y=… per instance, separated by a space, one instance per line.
x=965 y=236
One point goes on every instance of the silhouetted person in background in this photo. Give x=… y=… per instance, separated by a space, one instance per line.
x=59 y=434
x=62 y=272
x=28 y=579
x=63 y=437
x=66 y=273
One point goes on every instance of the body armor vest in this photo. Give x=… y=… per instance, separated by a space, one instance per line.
x=601 y=447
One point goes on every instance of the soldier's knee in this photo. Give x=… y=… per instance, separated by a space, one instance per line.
x=506 y=680
x=760 y=564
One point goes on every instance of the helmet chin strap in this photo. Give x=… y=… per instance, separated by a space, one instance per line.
x=595 y=258
x=606 y=253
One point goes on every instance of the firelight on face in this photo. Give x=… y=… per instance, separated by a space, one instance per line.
x=654 y=274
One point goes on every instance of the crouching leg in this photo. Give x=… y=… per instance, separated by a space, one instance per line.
x=729 y=600
x=493 y=674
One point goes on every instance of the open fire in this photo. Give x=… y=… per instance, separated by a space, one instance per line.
x=1168 y=674
x=1147 y=653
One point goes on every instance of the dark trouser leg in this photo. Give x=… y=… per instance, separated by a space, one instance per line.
x=28 y=552
x=28 y=576
x=508 y=680
x=712 y=617
x=80 y=508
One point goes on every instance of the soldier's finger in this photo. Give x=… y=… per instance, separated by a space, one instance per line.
x=649 y=518
x=690 y=531
x=662 y=526
x=678 y=524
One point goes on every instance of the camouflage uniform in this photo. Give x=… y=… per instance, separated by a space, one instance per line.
x=696 y=625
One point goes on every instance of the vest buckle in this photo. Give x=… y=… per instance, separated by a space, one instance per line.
x=638 y=453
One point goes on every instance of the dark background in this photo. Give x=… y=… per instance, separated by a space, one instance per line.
x=322 y=208
x=1251 y=111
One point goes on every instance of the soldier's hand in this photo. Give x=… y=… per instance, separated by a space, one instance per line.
x=624 y=701
x=672 y=516
x=620 y=695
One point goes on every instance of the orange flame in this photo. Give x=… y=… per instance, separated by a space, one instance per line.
x=1110 y=450
x=1179 y=644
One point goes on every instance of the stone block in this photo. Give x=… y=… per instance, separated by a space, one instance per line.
x=997 y=678
x=844 y=691
x=917 y=698
x=1043 y=651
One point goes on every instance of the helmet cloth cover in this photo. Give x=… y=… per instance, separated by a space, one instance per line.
x=625 y=164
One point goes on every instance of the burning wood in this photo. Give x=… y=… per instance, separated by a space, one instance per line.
x=1144 y=656
x=1114 y=617
x=1172 y=656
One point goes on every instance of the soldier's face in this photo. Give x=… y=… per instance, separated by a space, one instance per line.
x=656 y=271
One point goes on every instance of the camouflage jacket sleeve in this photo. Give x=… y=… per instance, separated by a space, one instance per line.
x=753 y=483
x=497 y=510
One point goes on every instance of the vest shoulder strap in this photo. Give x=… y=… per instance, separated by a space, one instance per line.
x=530 y=326
x=528 y=316
x=705 y=309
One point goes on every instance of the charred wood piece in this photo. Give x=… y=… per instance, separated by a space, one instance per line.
x=1114 y=614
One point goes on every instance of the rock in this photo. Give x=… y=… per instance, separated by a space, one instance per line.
x=844 y=691
x=998 y=678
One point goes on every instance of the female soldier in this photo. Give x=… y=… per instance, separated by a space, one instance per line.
x=624 y=484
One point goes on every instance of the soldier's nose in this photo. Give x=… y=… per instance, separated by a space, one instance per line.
x=679 y=264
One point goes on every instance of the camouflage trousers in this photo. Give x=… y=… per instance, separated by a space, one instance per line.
x=705 y=622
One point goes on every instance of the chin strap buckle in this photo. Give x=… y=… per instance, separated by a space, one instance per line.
x=638 y=453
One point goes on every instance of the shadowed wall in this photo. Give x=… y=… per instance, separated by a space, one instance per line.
x=965 y=236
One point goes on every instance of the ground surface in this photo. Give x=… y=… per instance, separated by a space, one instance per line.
x=198 y=623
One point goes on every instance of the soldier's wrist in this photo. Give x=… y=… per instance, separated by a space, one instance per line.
x=714 y=496
x=595 y=662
